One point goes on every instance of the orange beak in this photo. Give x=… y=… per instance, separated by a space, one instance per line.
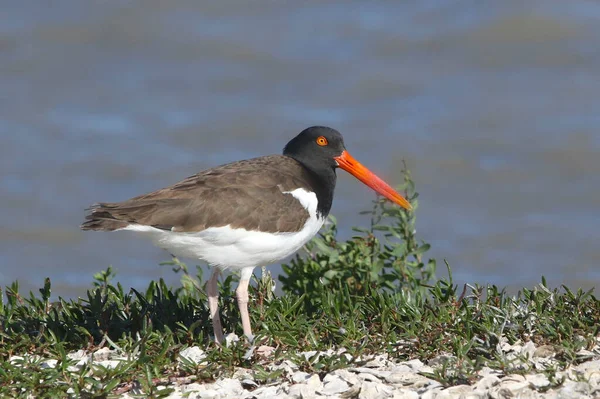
x=356 y=169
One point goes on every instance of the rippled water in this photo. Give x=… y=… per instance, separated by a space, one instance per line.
x=494 y=105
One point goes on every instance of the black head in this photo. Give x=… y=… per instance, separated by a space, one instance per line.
x=321 y=150
x=316 y=147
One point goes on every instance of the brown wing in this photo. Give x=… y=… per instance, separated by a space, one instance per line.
x=246 y=194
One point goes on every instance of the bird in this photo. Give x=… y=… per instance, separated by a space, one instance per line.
x=244 y=214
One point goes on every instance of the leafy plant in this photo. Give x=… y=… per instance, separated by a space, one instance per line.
x=375 y=293
x=387 y=255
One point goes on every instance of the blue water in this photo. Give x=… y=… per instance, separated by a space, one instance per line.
x=494 y=106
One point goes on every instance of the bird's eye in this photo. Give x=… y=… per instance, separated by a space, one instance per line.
x=321 y=140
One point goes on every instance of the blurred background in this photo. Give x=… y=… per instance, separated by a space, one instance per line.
x=493 y=105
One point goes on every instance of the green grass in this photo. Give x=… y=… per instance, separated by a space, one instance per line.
x=375 y=293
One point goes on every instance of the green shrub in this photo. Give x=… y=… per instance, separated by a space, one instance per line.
x=371 y=294
x=386 y=256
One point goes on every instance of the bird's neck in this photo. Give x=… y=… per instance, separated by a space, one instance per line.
x=323 y=184
x=324 y=194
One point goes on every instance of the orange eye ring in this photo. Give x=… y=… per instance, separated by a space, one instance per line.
x=322 y=141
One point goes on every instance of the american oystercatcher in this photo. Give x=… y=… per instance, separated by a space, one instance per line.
x=243 y=214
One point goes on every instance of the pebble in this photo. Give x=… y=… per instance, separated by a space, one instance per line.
x=333 y=386
x=194 y=354
x=16 y=360
x=109 y=364
x=299 y=377
x=486 y=383
x=544 y=351
x=538 y=380
x=375 y=390
x=307 y=389
x=78 y=355
x=231 y=339
x=379 y=377
x=458 y=391
x=102 y=354
x=348 y=376
x=405 y=394
x=49 y=364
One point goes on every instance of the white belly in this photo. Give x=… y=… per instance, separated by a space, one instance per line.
x=237 y=248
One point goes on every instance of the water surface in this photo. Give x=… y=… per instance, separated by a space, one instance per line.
x=494 y=106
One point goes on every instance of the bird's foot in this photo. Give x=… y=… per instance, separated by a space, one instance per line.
x=250 y=338
x=262 y=351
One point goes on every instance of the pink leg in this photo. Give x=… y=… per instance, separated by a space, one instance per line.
x=242 y=299
x=212 y=290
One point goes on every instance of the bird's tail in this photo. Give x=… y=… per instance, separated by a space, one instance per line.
x=99 y=217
